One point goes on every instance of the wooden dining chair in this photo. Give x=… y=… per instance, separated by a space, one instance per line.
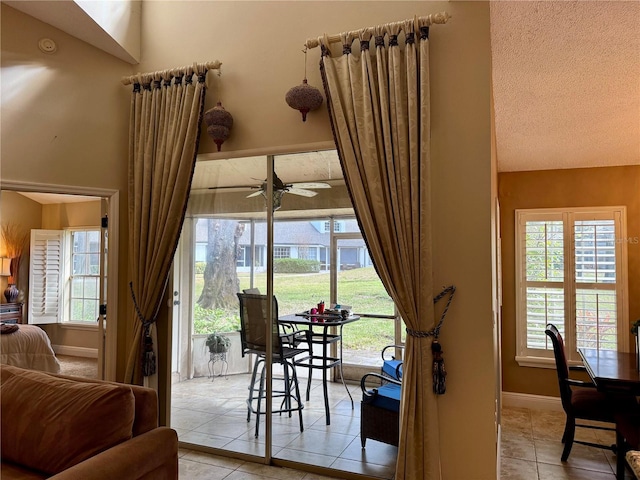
x=581 y=400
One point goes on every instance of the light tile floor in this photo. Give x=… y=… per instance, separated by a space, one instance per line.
x=214 y=414
x=531 y=449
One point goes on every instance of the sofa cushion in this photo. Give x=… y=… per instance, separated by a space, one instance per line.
x=146 y=400
x=50 y=424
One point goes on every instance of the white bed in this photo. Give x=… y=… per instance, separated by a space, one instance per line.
x=29 y=347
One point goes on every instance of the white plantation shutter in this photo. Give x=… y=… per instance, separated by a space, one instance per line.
x=570 y=271
x=596 y=306
x=45 y=276
x=543 y=251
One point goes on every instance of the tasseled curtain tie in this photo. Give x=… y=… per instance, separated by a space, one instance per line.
x=439 y=372
x=149 y=357
x=435 y=332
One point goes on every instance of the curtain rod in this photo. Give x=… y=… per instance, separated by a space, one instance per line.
x=137 y=78
x=430 y=19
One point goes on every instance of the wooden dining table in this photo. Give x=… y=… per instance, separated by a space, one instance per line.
x=612 y=371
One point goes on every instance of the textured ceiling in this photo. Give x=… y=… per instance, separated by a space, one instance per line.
x=566 y=78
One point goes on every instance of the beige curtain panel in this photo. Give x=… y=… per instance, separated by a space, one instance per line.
x=379 y=109
x=166 y=111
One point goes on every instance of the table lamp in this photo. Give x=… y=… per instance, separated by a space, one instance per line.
x=11 y=292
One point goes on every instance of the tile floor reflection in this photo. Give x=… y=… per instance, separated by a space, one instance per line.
x=214 y=414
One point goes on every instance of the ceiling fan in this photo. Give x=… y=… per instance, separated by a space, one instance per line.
x=303 y=189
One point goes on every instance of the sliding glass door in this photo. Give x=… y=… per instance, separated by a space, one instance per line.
x=313 y=252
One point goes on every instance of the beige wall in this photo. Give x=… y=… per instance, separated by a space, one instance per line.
x=69 y=127
x=259 y=45
x=65 y=121
x=65 y=215
x=561 y=188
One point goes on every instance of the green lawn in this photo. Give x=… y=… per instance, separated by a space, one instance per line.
x=359 y=288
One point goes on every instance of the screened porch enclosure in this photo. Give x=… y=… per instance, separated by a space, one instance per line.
x=302 y=278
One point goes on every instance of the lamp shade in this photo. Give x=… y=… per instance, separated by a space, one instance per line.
x=6 y=267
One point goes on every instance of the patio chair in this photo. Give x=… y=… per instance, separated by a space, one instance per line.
x=380 y=410
x=292 y=335
x=380 y=406
x=253 y=335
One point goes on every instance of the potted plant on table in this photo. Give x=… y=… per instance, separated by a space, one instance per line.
x=217 y=343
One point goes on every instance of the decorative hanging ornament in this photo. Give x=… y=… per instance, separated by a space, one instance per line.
x=219 y=123
x=304 y=97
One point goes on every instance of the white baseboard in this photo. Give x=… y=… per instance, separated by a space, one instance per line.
x=536 y=402
x=76 y=351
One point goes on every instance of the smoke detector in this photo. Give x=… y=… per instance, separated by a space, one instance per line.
x=47 y=45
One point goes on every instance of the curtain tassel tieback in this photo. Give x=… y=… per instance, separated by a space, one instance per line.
x=439 y=372
x=148 y=355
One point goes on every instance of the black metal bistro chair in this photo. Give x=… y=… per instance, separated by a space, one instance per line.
x=253 y=334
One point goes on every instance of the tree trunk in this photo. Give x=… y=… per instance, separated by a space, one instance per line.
x=221 y=282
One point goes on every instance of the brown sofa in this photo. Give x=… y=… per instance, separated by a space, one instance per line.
x=70 y=428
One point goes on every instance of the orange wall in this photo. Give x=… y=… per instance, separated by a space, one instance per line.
x=583 y=187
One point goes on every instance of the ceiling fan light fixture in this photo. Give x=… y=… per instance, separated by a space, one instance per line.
x=277 y=198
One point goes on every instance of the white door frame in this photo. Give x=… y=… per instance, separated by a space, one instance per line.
x=112 y=196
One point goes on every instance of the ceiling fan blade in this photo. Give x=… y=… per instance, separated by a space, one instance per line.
x=230 y=187
x=311 y=185
x=302 y=192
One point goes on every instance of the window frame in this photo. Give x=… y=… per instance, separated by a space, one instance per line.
x=533 y=357
x=282 y=250
x=69 y=276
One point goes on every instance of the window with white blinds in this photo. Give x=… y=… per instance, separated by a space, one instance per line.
x=570 y=272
